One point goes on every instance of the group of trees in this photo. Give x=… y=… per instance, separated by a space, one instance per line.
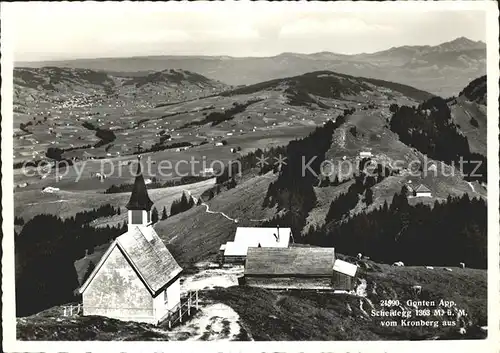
x=46 y=250
x=443 y=235
x=430 y=129
x=106 y=136
x=215 y=118
x=181 y=205
x=363 y=182
x=102 y=211
x=161 y=146
x=293 y=191
x=33 y=164
x=325 y=182
x=229 y=171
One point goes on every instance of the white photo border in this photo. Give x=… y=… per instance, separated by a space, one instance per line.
x=491 y=344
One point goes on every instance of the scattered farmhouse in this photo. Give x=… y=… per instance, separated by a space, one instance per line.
x=298 y=268
x=50 y=189
x=236 y=251
x=137 y=279
x=207 y=172
x=365 y=154
x=422 y=191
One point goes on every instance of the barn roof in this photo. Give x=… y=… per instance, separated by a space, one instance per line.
x=422 y=188
x=290 y=261
x=139 y=199
x=151 y=260
x=246 y=237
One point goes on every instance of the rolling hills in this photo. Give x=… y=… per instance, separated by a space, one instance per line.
x=442 y=69
x=336 y=115
x=58 y=82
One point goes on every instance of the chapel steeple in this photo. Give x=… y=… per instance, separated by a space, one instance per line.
x=139 y=206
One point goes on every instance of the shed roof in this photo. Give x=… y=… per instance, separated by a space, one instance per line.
x=151 y=260
x=290 y=261
x=345 y=267
x=246 y=237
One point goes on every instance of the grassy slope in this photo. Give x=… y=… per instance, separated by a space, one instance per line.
x=67 y=203
x=50 y=325
x=297 y=315
x=303 y=315
x=373 y=135
x=196 y=234
x=462 y=112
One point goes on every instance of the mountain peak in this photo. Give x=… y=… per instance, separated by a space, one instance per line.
x=462 y=43
x=462 y=40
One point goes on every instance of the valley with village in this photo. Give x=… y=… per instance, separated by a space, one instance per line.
x=317 y=203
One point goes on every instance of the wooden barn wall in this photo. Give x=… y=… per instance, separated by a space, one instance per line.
x=234 y=259
x=341 y=281
x=117 y=292
x=289 y=282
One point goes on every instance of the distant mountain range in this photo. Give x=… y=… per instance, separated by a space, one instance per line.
x=443 y=69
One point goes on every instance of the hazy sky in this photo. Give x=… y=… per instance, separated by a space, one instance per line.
x=85 y=30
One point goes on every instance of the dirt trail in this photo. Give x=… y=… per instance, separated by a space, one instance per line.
x=361 y=289
x=208 y=208
x=37 y=203
x=215 y=321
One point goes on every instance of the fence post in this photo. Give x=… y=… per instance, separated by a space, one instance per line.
x=196 y=299
x=189 y=304
x=180 y=312
x=71 y=310
x=169 y=324
x=64 y=307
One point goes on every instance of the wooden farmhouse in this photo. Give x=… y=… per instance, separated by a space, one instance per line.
x=422 y=191
x=137 y=279
x=266 y=237
x=298 y=268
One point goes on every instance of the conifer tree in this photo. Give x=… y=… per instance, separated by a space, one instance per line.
x=154 y=215
x=369 y=196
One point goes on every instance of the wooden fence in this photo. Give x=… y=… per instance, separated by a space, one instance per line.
x=187 y=306
x=70 y=310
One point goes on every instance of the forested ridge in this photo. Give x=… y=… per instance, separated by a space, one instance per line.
x=45 y=252
x=430 y=129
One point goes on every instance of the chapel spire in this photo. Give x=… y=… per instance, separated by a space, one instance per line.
x=139 y=200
